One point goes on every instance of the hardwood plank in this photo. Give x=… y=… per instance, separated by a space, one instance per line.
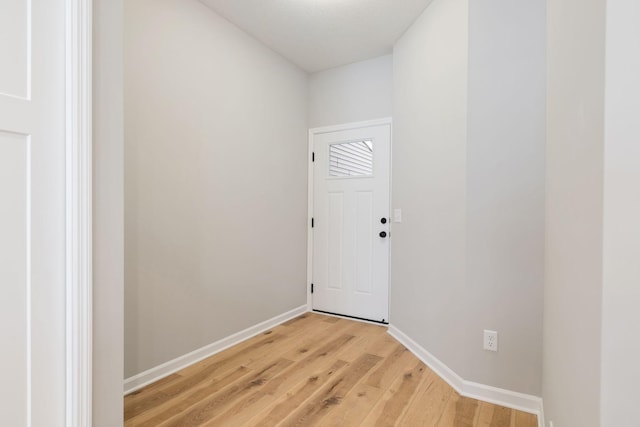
x=396 y=360
x=428 y=406
x=325 y=352
x=392 y=405
x=321 y=403
x=140 y=393
x=244 y=350
x=501 y=417
x=140 y=400
x=313 y=370
x=208 y=369
x=303 y=318
x=312 y=339
x=448 y=412
x=384 y=345
x=371 y=388
x=247 y=407
x=207 y=408
x=250 y=353
x=357 y=404
x=366 y=394
x=270 y=399
x=367 y=337
x=485 y=415
x=284 y=338
x=465 y=412
x=287 y=403
x=298 y=319
x=183 y=401
x=331 y=319
x=524 y=419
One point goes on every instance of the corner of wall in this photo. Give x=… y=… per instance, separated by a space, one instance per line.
x=156 y=373
x=108 y=217
x=502 y=397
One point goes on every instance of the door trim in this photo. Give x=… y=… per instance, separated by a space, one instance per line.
x=310 y=186
x=78 y=193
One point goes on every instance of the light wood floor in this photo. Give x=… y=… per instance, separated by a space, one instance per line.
x=313 y=370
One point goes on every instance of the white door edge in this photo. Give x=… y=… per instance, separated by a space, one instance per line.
x=78 y=110
x=309 y=216
x=310 y=191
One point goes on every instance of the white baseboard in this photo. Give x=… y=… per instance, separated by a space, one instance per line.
x=510 y=399
x=152 y=375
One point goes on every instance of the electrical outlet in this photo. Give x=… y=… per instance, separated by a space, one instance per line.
x=490 y=340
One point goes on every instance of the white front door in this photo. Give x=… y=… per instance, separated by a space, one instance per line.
x=351 y=222
x=32 y=213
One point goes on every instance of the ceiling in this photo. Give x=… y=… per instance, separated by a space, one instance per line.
x=321 y=34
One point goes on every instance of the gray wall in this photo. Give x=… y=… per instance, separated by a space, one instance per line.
x=468 y=165
x=505 y=191
x=215 y=181
x=351 y=93
x=469 y=171
x=428 y=251
x=574 y=203
x=621 y=236
x=108 y=215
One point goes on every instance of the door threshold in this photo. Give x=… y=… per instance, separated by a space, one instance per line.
x=361 y=319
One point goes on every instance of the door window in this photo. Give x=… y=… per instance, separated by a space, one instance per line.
x=351 y=159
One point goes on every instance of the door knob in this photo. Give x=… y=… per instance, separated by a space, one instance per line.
x=383 y=234
x=383 y=220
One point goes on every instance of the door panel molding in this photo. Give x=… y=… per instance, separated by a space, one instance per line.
x=15 y=283
x=79 y=161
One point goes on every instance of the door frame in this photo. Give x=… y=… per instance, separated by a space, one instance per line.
x=78 y=211
x=310 y=192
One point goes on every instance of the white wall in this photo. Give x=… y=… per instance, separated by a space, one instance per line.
x=429 y=181
x=108 y=218
x=351 y=93
x=573 y=248
x=505 y=191
x=215 y=181
x=621 y=248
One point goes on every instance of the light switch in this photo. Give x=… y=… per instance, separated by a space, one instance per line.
x=397 y=215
